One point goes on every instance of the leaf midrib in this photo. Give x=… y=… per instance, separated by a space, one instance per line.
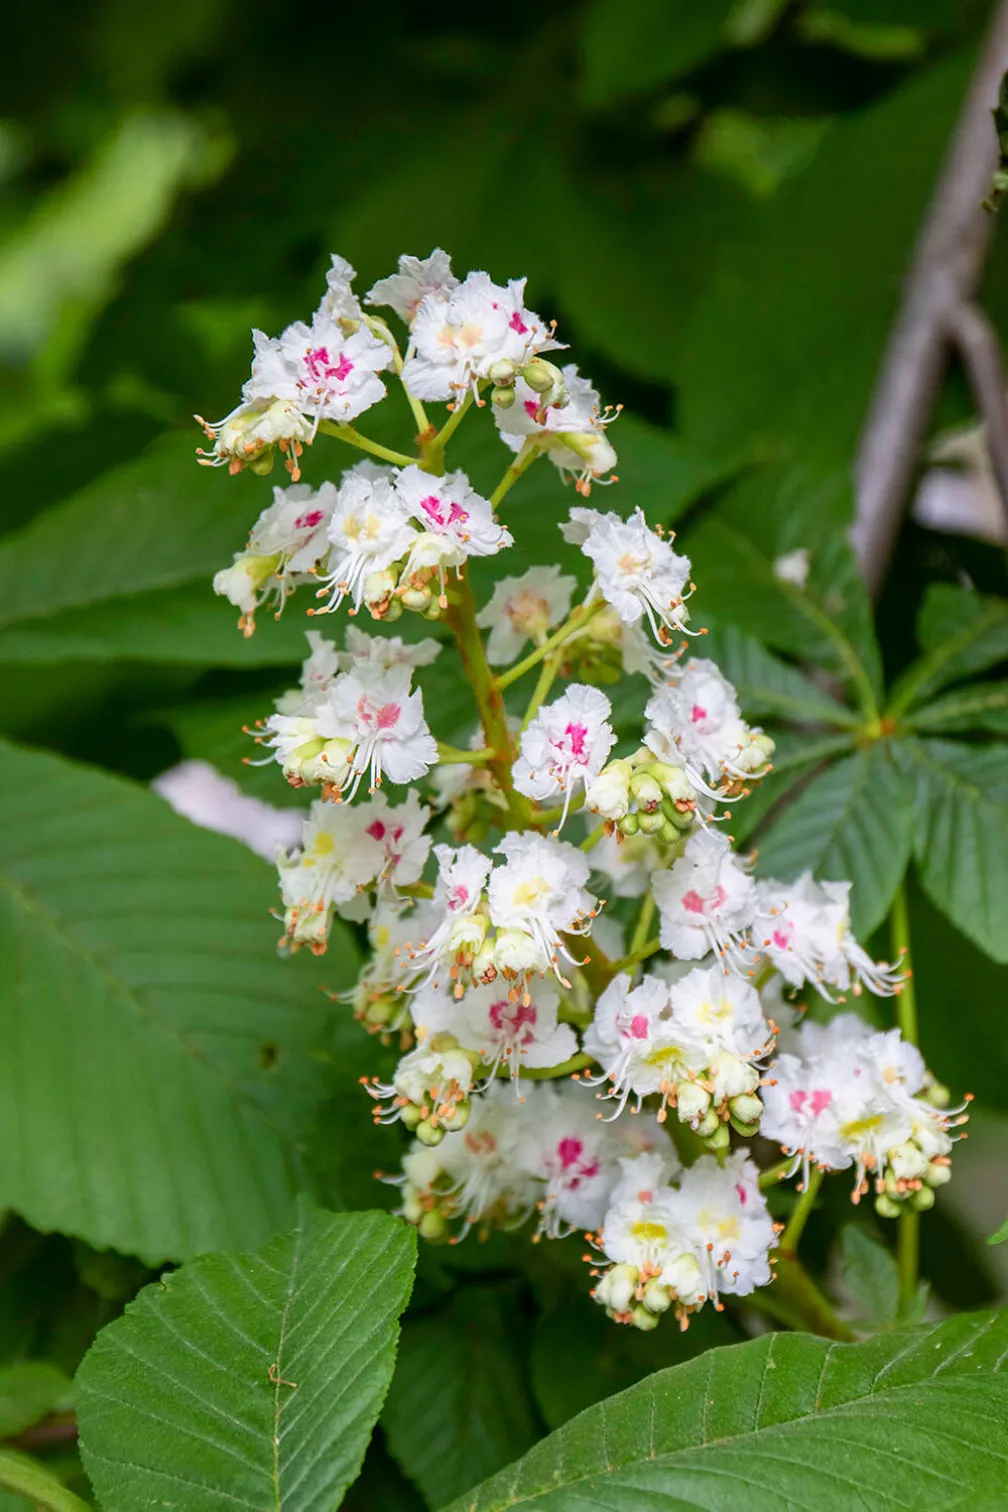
x=144 y=1010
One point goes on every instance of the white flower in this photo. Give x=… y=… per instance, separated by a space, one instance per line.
x=417 y=277
x=653 y=1264
x=457 y=334
x=804 y=928
x=399 y=833
x=246 y=437
x=722 y=1008
x=455 y=522
x=626 y=862
x=581 y=522
x=319 y=670
x=696 y=723
x=793 y=567
x=524 y=608
x=369 y=530
x=429 y=1091
x=458 y=914
x=638 y=573
x=573 y=436
x=567 y=744
x=634 y=1043
x=572 y=1153
x=705 y=901
x=339 y=302
x=539 y=894
x=379 y=999
x=303 y=753
x=326 y=373
x=390 y=650
x=519 y=1033
x=383 y=721
x=284 y=544
x=725 y=1212
x=336 y=858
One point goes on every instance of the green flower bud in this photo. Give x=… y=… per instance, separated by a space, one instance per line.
x=651 y=824
x=429 y=1134
x=433 y=1226
x=746 y=1130
x=616 y=1288
x=417 y=597
x=457 y=1117
x=887 y=1208
x=502 y=371
x=644 y=1319
x=503 y=398
x=629 y=825
x=411 y=1117
x=541 y=376
x=657 y=1298
x=937 y=1175
x=907 y=1162
x=708 y=1124
x=720 y=1139
x=646 y=791
x=923 y=1199
x=692 y=1101
x=938 y=1095
x=747 y=1108
x=262 y=465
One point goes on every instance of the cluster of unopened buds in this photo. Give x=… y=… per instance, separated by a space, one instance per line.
x=534 y=1022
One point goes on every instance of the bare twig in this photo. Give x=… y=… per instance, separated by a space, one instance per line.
x=944 y=275
x=977 y=345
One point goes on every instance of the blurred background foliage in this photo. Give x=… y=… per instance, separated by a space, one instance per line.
x=718 y=202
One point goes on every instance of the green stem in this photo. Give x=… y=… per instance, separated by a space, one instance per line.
x=524 y=459
x=570 y=627
x=545 y=681
x=803 y=1207
x=592 y=839
x=800 y=1301
x=353 y=437
x=19 y=1473
x=644 y=921
x=774 y=1173
x=451 y=425
x=634 y=957
x=448 y=755
x=579 y=1062
x=848 y=656
x=908 y=1248
x=461 y=618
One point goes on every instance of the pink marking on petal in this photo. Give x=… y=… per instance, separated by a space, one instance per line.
x=458 y=897
x=743 y=1195
x=388 y=716
x=821 y=1099
x=692 y=902
x=310 y=520
x=569 y=1151
x=782 y=936
x=577 y=734
x=798 y=1100
x=517 y=324
x=639 y=1026
x=376 y=830
x=698 y=713
x=531 y=408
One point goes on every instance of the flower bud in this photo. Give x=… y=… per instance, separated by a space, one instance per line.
x=692 y=1102
x=429 y=1134
x=262 y=466
x=907 y=1162
x=609 y=794
x=708 y=1124
x=938 y=1174
x=629 y=825
x=541 y=376
x=684 y=1277
x=645 y=791
x=644 y=1319
x=502 y=372
x=616 y=1288
x=417 y=596
x=657 y=1297
x=379 y=586
x=516 y=951
x=923 y=1199
x=720 y=1139
x=456 y=1116
x=433 y=1226
x=886 y=1207
x=651 y=824
x=937 y=1095
x=746 y=1107
x=503 y=398
x=411 y=1116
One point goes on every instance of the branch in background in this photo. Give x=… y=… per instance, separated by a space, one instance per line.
x=977 y=345
x=943 y=278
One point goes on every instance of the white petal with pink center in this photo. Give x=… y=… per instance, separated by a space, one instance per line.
x=369 y=530
x=326 y=373
x=457 y=335
x=723 y=1210
x=384 y=722
x=638 y=573
x=455 y=523
x=573 y=1153
x=539 y=892
x=416 y=278
x=573 y=437
x=400 y=834
x=705 y=902
x=804 y=929
x=285 y=543
x=565 y=747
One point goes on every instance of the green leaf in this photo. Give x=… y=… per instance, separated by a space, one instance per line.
x=1001 y=1235
x=451 y=1425
x=27 y=1476
x=851 y=823
x=28 y=1392
x=734 y=551
x=962 y=633
x=912 y=1419
x=157 y=1067
x=795 y=758
x=250 y=1380
x=628 y=50
x=981 y=707
x=766 y=685
x=961 y=836
x=871 y=1274
x=153 y=523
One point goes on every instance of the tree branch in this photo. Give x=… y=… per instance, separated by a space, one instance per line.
x=977 y=344
x=943 y=277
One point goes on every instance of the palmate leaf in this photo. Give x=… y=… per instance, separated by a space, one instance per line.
x=962 y=633
x=250 y=1380
x=767 y=685
x=852 y=822
x=961 y=836
x=157 y=1061
x=913 y=1419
